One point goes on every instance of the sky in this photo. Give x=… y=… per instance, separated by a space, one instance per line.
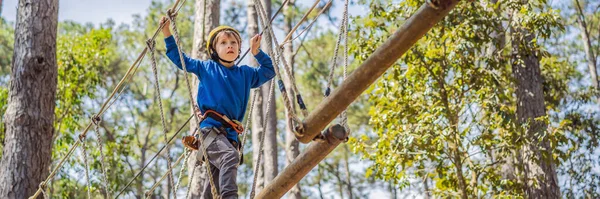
x=94 y=11
x=98 y=11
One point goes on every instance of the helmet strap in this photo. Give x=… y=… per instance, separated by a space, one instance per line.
x=229 y=62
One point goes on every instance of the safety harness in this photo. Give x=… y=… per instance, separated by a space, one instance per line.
x=191 y=141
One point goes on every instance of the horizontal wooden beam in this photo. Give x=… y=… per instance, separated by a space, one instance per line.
x=385 y=56
x=306 y=161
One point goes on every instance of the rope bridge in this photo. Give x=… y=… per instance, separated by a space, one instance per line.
x=305 y=130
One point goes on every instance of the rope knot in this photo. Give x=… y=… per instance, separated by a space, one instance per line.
x=151 y=44
x=82 y=137
x=299 y=130
x=96 y=120
x=42 y=185
x=171 y=15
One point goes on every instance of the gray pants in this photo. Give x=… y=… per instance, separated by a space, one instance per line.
x=224 y=160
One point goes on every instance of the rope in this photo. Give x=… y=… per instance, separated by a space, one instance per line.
x=187 y=80
x=256 y=95
x=291 y=112
x=335 y=53
x=169 y=172
x=44 y=194
x=105 y=106
x=344 y=121
x=263 y=17
x=261 y=32
x=97 y=121
x=43 y=183
x=151 y=44
x=187 y=195
x=261 y=143
x=287 y=70
x=155 y=155
x=287 y=37
x=87 y=167
x=76 y=144
x=256 y=90
x=118 y=95
x=187 y=153
x=281 y=85
x=287 y=40
x=248 y=121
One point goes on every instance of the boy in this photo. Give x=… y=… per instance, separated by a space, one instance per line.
x=224 y=88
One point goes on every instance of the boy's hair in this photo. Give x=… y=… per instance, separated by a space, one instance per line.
x=213 y=37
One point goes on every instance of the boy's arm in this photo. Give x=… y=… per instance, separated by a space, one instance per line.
x=264 y=72
x=191 y=65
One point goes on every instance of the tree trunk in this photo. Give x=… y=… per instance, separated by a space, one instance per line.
x=206 y=18
x=291 y=144
x=270 y=153
x=29 y=115
x=587 y=45
x=539 y=169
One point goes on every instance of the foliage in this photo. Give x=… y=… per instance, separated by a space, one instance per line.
x=81 y=64
x=3 y=106
x=446 y=111
x=313 y=68
x=6 y=46
x=576 y=118
x=83 y=57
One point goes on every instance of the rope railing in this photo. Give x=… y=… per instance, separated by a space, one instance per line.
x=103 y=108
x=155 y=155
x=151 y=45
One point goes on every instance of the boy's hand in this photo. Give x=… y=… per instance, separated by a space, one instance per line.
x=165 y=28
x=255 y=44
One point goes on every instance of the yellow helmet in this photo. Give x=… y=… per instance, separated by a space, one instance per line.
x=211 y=36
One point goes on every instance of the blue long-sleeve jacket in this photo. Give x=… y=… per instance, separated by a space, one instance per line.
x=222 y=89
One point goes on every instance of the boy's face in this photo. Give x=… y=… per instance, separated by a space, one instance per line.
x=227 y=46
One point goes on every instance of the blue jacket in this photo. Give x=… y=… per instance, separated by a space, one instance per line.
x=222 y=89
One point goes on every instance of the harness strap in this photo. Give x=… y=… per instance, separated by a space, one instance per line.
x=212 y=135
x=223 y=119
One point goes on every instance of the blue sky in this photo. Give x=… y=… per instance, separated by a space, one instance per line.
x=93 y=11
x=121 y=11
